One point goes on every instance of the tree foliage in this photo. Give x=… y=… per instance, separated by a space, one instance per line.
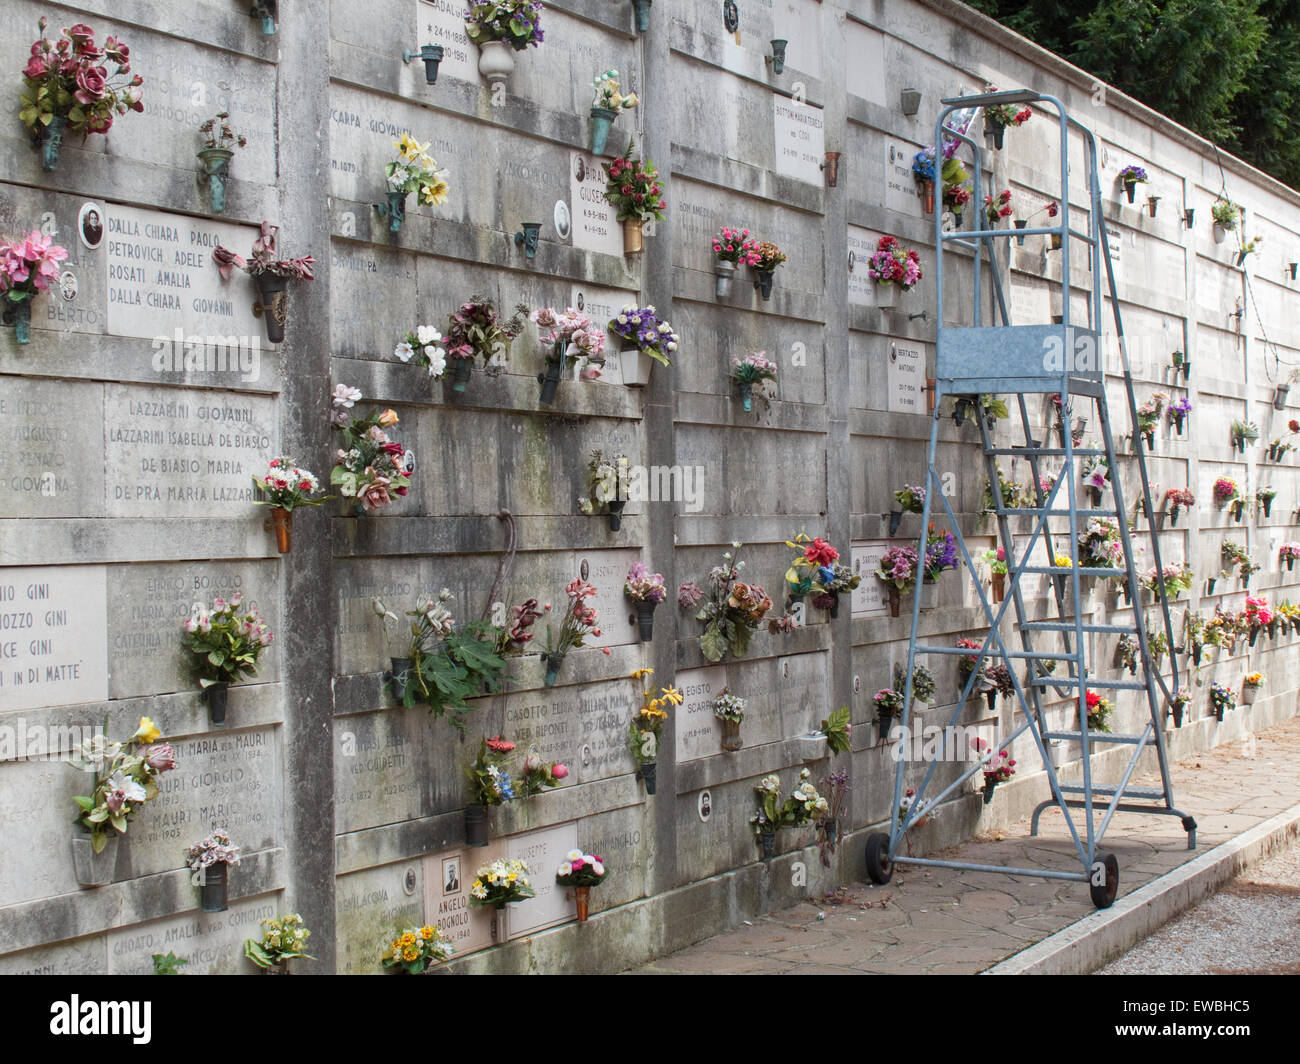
x=1227 y=69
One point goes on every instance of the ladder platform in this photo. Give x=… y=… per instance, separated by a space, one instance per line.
x=1031 y=511
x=1106 y=789
x=1045 y=452
x=971 y=360
x=1061 y=570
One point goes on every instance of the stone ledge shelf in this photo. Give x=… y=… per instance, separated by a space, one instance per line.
x=132 y=901
x=710 y=168
x=718 y=530
x=177 y=716
x=422 y=534
x=367 y=692
x=511 y=393
x=748 y=762
x=84 y=174
x=366 y=848
x=686 y=41
x=99 y=540
x=719 y=411
x=695 y=286
x=763 y=645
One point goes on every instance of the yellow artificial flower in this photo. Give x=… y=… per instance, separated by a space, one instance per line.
x=671 y=694
x=146 y=732
x=428 y=933
x=435 y=193
x=408 y=938
x=641 y=673
x=410 y=954
x=1063 y=562
x=409 y=146
x=388 y=418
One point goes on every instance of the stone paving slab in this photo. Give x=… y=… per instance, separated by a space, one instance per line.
x=929 y=921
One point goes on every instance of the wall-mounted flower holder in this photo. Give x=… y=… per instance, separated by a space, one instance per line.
x=645 y=620
x=1020 y=224
x=642 y=14
x=431 y=56
x=1055 y=242
x=18 y=313
x=633 y=236
x=778 y=55
x=398 y=676
x=476 y=825
x=550 y=381
x=925 y=192
x=993 y=134
x=1241 y=257
x=602 y=118
x=832 y=167
x=94 y=869
x=52 y=142
x=265 y=11
x=746 y=390
x=910 y=99
x=461 y=370
x=394 y=210
x=216 y=168
x=281 y=522
x=1184 y=364
x=552 y=663
x=895 y=521
x=723 y=274
x=1219 y=233
x=1189 y=216
x=216 y=695
x=213 y=887
x=1152 y=201
x=1279 y=396
x=527 y=237
x=763 y=282
x=1292 y=267
x=496 y=61
x=886 y=294
x=273 y=304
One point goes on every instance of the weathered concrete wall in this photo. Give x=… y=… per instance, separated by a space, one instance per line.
x=123 y=479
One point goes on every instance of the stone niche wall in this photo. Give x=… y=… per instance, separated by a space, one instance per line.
x=124 y=479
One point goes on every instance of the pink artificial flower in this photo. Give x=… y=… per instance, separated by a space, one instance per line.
x=559 y=771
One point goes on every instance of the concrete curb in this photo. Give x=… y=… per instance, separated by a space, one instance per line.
x=1101 y=936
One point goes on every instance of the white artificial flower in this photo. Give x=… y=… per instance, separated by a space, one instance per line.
x=403 y=351
x=573 y=855
x=427 y=334
x=598 y=868
x=565 y=869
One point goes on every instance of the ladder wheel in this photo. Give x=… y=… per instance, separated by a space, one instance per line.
x=1103 y=880
x=879 y=867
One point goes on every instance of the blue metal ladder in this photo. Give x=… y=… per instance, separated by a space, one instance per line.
x=1066 y=359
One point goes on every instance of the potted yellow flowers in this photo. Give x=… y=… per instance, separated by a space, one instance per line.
x=415 y=949
x=414 y=170
x=646 y=727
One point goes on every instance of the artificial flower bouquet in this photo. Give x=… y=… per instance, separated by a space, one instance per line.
x=423 y=347
x=752 y=369
x=540 y=775
x=501 y=883
x=1099 y=712
x=125 y=778
x=371 y=469
x=607 y=487
x=517 y=23
x=642 y=328
x=283 y=939
x=476 y=330
x=224 y=644
x=578 y=622
x=415 y=949
x=802 y=806
x=28 y=267
x=489 y=777
x=732 y=609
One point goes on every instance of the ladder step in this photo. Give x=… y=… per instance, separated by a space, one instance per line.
x=1046 y=452
x=1109 y=790
x=1071 y=681
x=1029 y=511
x=1102 y=737
x=1065 y=626
x=1052 y=570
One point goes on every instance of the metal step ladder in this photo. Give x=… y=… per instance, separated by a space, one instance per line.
x=1065 y=359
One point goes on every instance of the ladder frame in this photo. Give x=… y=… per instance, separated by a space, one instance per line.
x=981 y=242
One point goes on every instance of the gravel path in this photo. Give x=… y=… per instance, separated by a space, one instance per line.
x=1251 y=926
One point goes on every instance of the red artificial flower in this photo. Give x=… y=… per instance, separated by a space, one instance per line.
x=500 y=744
x=819 y=552
x=1094 y=700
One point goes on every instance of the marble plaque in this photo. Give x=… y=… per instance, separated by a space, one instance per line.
x=900 y=185
x=798 y=23
x=800 y=134
x=213 y=943
x=595 y=221
x=161 y=278
x=36 y=836
x=602 y=305
x=906 y=376
x=699 y=732
x=370 y=906
x=49 y=465
x=870 y=596
x=862 y=245
x=447 y=878
x=543 y=852
x=85 y=956
x=225 y=779
x=443 y=22
x=172 y=453
x=607 y=569
x=586 y=727
x=53 y=635
x=148 y=604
